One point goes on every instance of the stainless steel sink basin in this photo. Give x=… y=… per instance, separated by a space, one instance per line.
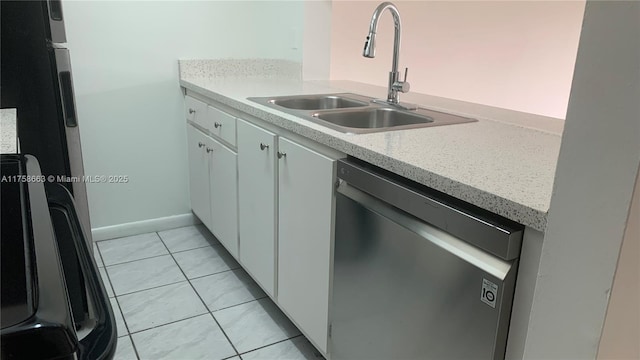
x=356 y=114
x=373 y=118
x=317 y=102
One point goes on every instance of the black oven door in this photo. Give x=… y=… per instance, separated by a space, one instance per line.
x=92 y=313
x=53 y=303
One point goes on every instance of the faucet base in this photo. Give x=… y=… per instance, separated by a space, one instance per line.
x=399 y=105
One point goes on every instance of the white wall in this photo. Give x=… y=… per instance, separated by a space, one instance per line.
x=124 y=57
x=595 y=178
x=317 y=40
x=517 y=55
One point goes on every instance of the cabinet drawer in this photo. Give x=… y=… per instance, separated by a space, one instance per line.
x=195 y=111
x=222 y=125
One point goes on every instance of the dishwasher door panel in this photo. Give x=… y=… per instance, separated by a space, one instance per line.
x=405 y=290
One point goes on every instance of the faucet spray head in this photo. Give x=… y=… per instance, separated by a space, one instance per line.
x=370 y=46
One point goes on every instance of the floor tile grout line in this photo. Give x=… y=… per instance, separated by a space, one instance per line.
x=171 y=283
x=223 y=332
x=130 y=261
x=135 y=349
x=169 y=323
x=104 y=265
x=238 y=304
x=216 y=273
x=155 y=256
x=203 y=303
x=126 y=326
x=175 y=282
x=264 y=346
x=115 y=297
x=113 y=291
x=151 y=288
x=197 y=247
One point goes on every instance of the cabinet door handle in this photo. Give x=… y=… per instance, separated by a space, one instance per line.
x=191 y=111
x=209 y=150
x=200 y=144
x=217 y=125
x=281 y=155
x=263 y=146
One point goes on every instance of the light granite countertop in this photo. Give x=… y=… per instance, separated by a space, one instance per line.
x=504 y=163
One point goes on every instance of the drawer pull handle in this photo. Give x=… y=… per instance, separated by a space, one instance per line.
x=217 y=125
x=281 y=155
x=209 y=150
x=191 y=111
x=263 y=146
x=200 y=144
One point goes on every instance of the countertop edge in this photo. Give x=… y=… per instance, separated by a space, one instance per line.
x=520 y=213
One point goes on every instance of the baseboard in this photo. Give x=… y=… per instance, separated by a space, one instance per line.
x=144 y=226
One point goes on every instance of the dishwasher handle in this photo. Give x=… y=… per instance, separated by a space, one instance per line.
x=481 y=259
x=493 y=233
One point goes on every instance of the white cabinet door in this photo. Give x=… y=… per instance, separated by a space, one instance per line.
x=223 y=177
x=257 y=203
x=305 y=237
x=198 y=174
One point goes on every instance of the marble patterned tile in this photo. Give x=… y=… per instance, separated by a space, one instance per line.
x=97 y=257
x=150 y=308
x=187 y=238
x=255 y=324
x=120 y=325
x=205 y=261
x=227 y=289
x=195 y=338
x=124 y=350
x=298 y=348
x=131 y=248
x=144 y=274
x=105 y=282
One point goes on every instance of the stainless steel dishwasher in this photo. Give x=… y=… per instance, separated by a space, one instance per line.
x=417 y=274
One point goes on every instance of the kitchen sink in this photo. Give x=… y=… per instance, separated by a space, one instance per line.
x=315 y=102
x=357 y=114
x=373 y=118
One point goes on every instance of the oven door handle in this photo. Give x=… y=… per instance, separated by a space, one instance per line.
x=100 y=343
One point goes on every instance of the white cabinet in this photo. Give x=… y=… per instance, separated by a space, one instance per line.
x=257 y=203
x=271 y=205
x=199 y=174
x=305 y=236
x=213 y=186
x=223 y=190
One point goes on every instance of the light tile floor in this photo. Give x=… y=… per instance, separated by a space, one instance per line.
x=179 y=295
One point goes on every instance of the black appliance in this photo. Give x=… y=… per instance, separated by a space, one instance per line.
x=42 y=317
x=53 y=301
x=36 y=80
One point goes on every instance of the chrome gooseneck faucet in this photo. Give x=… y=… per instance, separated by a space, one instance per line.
x=395 y=85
